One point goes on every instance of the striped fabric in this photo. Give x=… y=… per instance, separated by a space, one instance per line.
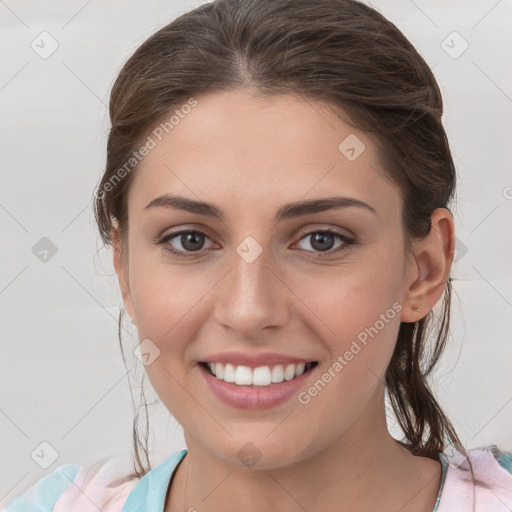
x=480 y=483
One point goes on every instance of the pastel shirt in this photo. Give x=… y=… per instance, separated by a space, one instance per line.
x=105 y=486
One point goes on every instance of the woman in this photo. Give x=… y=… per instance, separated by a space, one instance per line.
x=277 y=195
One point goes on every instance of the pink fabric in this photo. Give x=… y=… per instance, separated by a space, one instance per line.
x=491 y=492
x=104 y=485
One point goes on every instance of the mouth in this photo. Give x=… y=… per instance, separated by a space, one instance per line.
x=261 y=376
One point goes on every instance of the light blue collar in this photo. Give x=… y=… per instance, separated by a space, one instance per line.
x=150 y=491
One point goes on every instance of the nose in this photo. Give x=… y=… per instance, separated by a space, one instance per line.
x=251 y=298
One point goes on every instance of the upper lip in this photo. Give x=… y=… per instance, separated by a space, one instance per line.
x=254 y=360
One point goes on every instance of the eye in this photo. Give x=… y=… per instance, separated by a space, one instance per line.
x=193 y=241
x=323 y=241
x=190 y=240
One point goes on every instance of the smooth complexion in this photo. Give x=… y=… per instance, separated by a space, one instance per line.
x=249 y=156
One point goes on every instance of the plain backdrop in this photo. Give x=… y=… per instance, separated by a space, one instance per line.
x=65 y=393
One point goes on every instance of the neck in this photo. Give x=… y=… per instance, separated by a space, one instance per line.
x=365 y=469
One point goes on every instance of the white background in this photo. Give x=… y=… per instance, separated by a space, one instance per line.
x=63 y=379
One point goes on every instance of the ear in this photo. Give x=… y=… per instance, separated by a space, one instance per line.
x=121 y=267
x=429 y=267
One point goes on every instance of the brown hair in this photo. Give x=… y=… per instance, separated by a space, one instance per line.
x=340 y=52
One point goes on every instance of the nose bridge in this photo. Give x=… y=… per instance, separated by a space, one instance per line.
x=251 y=297
x=250 y=272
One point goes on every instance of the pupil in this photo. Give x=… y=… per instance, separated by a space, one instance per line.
x=193 y=241
x=321 y=238
x=190 y=241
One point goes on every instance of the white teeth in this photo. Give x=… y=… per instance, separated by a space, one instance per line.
x=260 y=376
x=289 y=372
x=243 y=376
x=229 y=372
x=278 y=373
x=299 y=370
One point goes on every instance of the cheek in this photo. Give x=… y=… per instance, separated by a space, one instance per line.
x=165 y=296
x=357 y=319
x=362 y=322
x=357 y=314
x=167 y=302
x=349 y=299
x=343 y=301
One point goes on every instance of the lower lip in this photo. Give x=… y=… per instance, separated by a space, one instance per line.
x=254 y=397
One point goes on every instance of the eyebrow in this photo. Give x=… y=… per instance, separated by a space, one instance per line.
x=286 y=211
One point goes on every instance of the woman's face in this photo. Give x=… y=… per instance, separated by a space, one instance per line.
x=251 y=284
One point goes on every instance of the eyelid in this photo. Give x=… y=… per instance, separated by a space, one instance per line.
x=344 y=232
x=300 y=232
x=167 y=237
x=348 y=241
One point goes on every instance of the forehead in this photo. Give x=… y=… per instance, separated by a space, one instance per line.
x=237 y=147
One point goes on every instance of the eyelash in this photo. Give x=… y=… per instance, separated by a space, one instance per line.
x=347 y=242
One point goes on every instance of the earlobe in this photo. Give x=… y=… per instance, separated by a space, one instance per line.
x=430 y=267
x=122 y=275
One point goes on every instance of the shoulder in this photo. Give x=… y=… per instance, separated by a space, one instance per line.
x=43 y=495
x=109 y=484
x=482 y=481
x=106 y=483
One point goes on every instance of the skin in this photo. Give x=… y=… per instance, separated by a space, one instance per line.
x=249 y=155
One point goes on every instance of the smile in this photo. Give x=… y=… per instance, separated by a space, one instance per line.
x=259 y=376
